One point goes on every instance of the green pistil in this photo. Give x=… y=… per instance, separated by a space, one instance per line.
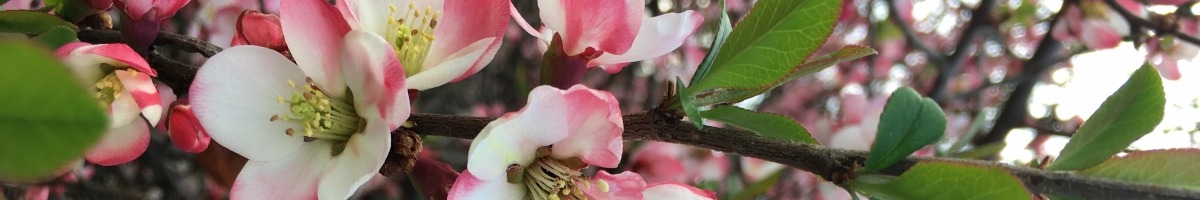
x=322 y=117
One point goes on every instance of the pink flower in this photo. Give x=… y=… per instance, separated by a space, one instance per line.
x=122 y=82
x=522 y=155
x=264 y=30
x=145 y=16
x=215 y=17
x=318 y=127
x=1095 y=24
x=1166 y=52
x=437 y=41
x=611 y=34
x=661 y=162
x=185 y=130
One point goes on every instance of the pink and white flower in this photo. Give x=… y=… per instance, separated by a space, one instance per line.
x=145 y=17
x=523 y=156
x=1166 y=52
x=121 y=80
x=319 y=127
x=437 y=41
x=1094 y=24
x=611 y=34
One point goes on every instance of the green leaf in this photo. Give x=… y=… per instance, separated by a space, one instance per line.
x=57 y=36
x=1127 y=115
x=755 y=189
x=766 y=124
x=1171 y=168
x=908 y=123
x=49 y=118
x=723 y=30
x=982 y=151
x=935 y=180
x=689 y=109
x=30 y=22
x=733 y=95
x=770 y=42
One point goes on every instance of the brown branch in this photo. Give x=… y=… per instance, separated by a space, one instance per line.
x=164 y=38
x=910 y=36
x=828 y=163
x=980 y=17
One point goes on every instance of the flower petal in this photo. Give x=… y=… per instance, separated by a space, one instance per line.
x=361 y=160
x=467 y=186
x=1099 y=34
x=185 y=130
x=658 y=36
x=313 y=30
x=607 y=26
x=626 y=185
x=120 y=145
x=594 y=128
x=236 y=93
x=464 y=24
x=295 y=176
x=141 y=88
x=515 y=137
x=167 y=8
x=123 y=110
x=375 y=76
x=676 y=191
x=119 y=55
x=134 y=8
x=457 y=68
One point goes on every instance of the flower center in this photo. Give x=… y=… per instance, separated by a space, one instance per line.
x=550 y=178
x=411 y=34
x=323 y=117
x=110 y=87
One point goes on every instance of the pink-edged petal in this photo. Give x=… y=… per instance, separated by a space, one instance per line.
x=17 y=5
x=375 y=77
x=167 y=8
x=658 y=36
x=594 y=128
x=521 y=22
x=463 y=25
x=1099 y=34
x=141 y=88
x=348 y=8
x=123 y=110
x=166 y=94
x=236 y=93
x=605 y=25
x=120 y=145
x=626 y=185
x=457 y=68
x=66 y=49
x=295 y=176
x=361 y=160
x=1169 y=68
x=467 y=186
x=676 y=191
x=120 y=53
x=185 y=130
x=515 y=137
x=314 y=31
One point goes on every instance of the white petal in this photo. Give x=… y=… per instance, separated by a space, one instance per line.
x=361 y=160
x=236 y=93
x=675 y=191
x=437 y=73
x=658 y=36
x=516 y=140
x=375 y=77
x=373 y=15
x=467 y=186
x=123 y=110
x=295 y=176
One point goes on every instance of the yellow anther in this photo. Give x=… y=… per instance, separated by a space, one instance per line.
x=603 y=185
x=290 y=83
x=392 y=7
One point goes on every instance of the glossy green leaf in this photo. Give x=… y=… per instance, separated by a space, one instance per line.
x=768 y=44
x=722 y=31
x=766 y=124
x=689 y=109
x=734 y=95
x=908 y=123
x=1130 y=113
x=57 y=36
x=30 y=22
x=1179 y=168
x=49 y=118
x=947 y=181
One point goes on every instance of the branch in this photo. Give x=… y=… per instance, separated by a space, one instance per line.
x=979 y=20
x=1162 y=29
x=164 y=38
x=910 y=36
x=829 y=163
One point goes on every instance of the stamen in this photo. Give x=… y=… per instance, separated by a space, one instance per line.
x=109 y=88
x=320 y=116
x=412 y=35
x=550 y=178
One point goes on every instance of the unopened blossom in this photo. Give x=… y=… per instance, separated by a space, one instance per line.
x=611 y=34
x=319 y=127
x=538 y=152
x=144 y=17
x=185 y=130
x=437 y=41
x=122 y=82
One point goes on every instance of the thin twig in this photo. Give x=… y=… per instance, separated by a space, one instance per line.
x=910 y=36
x=1159 y=28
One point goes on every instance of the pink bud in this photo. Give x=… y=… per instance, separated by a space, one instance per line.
x=259 y=29
x=185 y=131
